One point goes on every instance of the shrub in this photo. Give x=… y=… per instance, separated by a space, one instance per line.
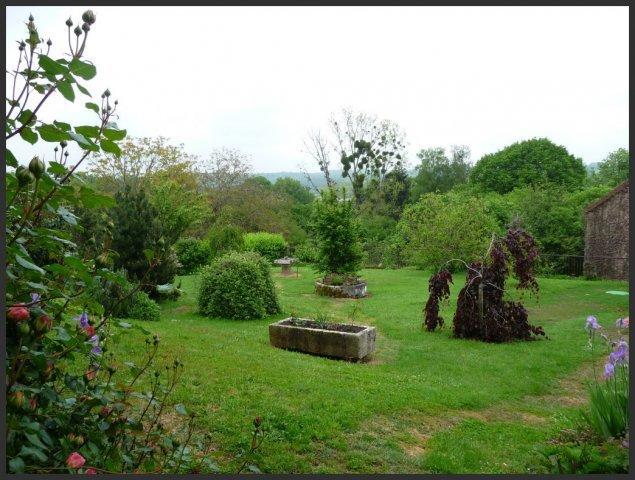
x=223 y=239
x=192 y=254
x=142 y=307
x=238 y=286
x=305 y=252
x=481 y=311
x=336 y=234
x=72 y=405
x=443 y=226
x=269 y=245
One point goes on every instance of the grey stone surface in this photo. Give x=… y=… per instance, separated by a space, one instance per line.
x=349 y=345
x=606 y=239
x=341 y=291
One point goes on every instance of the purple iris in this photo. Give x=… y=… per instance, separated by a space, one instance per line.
x=96 y=350
x=609 y=370
x=620 y=354
x=592 y=323
x=35 y=298
x=83 y=320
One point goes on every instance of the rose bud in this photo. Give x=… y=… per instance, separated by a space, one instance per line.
x=16 y=398
x=36 y=167
x=24 y=329
x=105 y=411
x=89 y=330
x=43 y=324
x=90 y=471
x=107 y=93
x=75 y=460
x=69 y=22
x=85 y=27
x=18 y=313
x=33 y=403
x=77 y=31
x=63 y=143
x=49 y=43
x=24 y=176
x=89 y=17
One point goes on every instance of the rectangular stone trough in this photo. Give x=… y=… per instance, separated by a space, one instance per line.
x=335 y=340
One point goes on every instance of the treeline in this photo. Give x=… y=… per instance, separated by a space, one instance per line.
x=197 y=209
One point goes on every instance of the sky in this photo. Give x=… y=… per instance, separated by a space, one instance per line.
x=260 y=78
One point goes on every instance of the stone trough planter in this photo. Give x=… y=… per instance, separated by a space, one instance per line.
x=357 y=290
x=335 y=340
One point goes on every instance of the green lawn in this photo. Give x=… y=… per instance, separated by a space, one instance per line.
x=426 y=403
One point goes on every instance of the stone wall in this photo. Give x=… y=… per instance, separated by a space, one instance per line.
x=606 y=236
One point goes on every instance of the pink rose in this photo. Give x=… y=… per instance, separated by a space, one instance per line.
x=75 y=460
x=18 y=313
x=90 y=471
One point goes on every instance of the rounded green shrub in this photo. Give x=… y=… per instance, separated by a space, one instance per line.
x=269 y=245
x=223 y=239
x=143 y=307
x=192 y=254
x=238 y=286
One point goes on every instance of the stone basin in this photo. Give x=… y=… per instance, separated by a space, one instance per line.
x=357 y=290
x=334 y=340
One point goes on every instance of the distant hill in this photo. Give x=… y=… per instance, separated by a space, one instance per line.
x=316 y=177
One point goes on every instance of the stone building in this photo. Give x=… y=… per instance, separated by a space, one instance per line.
x=606 y=236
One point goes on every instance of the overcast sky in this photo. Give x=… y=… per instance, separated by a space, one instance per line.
x=258 y=79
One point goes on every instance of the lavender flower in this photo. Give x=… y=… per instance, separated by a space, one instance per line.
x=35 y=298
x=609 y=370
x=620 y=355
x=96 y=350
x=83 y=320
x=592 y=323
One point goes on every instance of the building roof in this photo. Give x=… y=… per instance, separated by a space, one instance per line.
x=622 y=187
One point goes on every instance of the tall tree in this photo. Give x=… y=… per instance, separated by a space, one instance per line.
x=438 y=173
x=365 y=147
x=140 y=160
x=532 y=162
x=614 y=169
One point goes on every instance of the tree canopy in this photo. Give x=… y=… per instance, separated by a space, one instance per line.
x=530 y=162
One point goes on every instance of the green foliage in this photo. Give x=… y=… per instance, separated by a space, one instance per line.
x=135 y=230
x=176 y=207
x=192 y=254
x=530 y=162
x=336 y=235
x=580 y=457
x=270 y=245
x=225 y=238
x=614 y=169
x=555 y=217
x=440 y=227
x=439 y=174
x=68 y=409
x=238 y=286
x=293 y=188
x=142 y=307
x=306 y=252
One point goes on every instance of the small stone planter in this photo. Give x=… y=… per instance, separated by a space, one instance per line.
x=357 y=290
x=335 y=340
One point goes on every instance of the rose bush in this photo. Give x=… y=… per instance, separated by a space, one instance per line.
x=70 y=409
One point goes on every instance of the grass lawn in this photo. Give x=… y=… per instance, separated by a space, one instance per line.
x=425 y=403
